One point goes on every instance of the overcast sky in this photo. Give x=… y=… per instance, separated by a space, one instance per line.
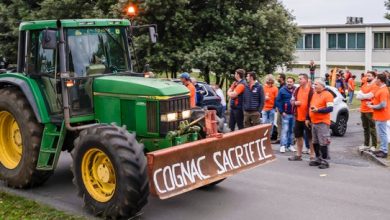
x=317 y=12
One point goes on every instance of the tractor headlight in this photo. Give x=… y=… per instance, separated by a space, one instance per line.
x=186 y=114
x=169 y=117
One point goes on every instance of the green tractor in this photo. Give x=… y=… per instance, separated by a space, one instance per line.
x=74 y=89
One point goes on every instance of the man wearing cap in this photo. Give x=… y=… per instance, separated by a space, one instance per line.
x=321 y=105
x=186 y=80
x=236 y=94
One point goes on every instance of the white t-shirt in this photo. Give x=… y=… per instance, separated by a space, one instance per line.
x=220 y=94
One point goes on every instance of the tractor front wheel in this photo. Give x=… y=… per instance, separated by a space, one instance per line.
x=109 y=168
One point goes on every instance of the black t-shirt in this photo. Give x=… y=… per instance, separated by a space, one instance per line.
x=312 y=68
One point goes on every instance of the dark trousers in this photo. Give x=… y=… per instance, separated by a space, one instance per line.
x=236 y=117
x=368 y=128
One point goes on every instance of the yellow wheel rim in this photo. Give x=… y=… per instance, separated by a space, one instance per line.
x=98 y=175
x=11 y=146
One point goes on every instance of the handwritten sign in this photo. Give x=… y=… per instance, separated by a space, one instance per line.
x=182 y=168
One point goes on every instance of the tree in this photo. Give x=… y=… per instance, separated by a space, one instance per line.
x=387 y=4
x=173 y=21
x=217 y=36
x=11 y=13
x=255 y=35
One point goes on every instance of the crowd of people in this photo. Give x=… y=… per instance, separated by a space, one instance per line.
x=375 y=112
x=303 y=112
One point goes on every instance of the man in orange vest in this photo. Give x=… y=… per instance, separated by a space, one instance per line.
x=381 y=107
x=351 y=88
x=186 y=80
x=365 y=95
x=321 y=105
x=236 y=94
x=270 y=93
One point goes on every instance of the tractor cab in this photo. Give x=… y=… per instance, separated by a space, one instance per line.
x=91 y=49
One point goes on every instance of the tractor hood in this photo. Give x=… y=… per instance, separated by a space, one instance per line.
x=129 y=85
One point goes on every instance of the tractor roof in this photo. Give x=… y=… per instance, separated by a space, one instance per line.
x=36 y=25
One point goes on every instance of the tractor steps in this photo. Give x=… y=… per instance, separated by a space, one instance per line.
x=51 y=146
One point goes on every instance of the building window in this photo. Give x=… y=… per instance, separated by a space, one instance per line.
x=350 y=41
x=360 y=40
x=382 y=40
x=300 y=43
x=308 y=42
x=332 y=41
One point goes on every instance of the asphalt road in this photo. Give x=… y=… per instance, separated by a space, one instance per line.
x=353 y=188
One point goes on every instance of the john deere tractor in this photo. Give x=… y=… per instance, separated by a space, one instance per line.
x=74 y=89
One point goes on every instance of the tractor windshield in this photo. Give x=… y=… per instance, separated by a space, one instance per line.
x=98 y=50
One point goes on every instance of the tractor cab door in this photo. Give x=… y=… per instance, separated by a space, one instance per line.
x=42 y=65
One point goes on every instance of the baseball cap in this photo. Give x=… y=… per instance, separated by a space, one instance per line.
x=185 y=75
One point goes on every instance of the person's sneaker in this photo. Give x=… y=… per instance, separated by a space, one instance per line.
x=292 y=149
x=364 y=147
x=282 y=149
x=305 y=151
x=275 y=142
x=373 y=149
x=324 y=165
x=315 y=162
x=295 y=158
x=381 y=154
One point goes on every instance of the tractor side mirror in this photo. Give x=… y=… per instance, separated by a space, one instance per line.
x=49 y=39
x=153 y=34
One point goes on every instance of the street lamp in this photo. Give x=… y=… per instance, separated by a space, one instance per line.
x=131 y=11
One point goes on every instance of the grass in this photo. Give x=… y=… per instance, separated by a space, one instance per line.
x=15 y=207
x=355 y=103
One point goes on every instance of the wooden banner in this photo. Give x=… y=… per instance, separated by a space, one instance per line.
x=182 y=168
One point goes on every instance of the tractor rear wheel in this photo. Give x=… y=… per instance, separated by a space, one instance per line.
x=20 y=139
x=110 y=171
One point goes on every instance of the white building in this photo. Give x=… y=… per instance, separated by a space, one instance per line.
x=358 y=47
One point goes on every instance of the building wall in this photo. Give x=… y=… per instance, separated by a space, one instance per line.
x=304 y=56
x=357 y=60
x=345 y=57
x=381 y=57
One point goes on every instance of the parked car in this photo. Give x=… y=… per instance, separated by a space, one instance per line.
x=210 y=99
x=340 y=115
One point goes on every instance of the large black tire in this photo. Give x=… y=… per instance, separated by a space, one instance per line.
x=340 y=127
x=25 y=174
x=129 y=166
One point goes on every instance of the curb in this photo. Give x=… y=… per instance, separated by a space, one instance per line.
x=370 y=156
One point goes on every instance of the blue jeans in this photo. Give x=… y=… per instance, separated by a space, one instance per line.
x=306 y=139
x=268 y=118
x=350 y=95
x=381 y=128
x=287 y=137
x=223 y=113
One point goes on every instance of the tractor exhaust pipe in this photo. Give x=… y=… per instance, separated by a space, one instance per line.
x=65 y=75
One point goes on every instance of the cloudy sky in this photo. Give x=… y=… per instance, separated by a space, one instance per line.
x=335 y=11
